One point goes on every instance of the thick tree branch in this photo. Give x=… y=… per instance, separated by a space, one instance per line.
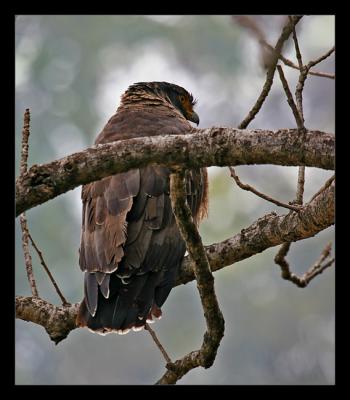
x=207 y=147
x=268 y=231
x=57 y=321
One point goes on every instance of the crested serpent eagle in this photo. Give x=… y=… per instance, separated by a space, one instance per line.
x=131 y=248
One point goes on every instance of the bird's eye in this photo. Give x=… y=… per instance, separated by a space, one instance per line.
x=182 y=98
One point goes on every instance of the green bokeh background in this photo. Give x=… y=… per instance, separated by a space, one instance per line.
x=71 y=71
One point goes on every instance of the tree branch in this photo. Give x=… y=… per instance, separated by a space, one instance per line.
x=57 y=321
x=207 y=147
x=268 y=231
x=27 y=256
x=22 y=217
x=290 y=26
x=318 y=60
x=46 y=268
x=324 y=187
x=287 y=30
x=158 y=344
x=264 y=196
x=310 y=274
x=205 y=284
x=251 y=24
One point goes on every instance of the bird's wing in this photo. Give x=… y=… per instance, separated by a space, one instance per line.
x=125 y=226
x=104 y=228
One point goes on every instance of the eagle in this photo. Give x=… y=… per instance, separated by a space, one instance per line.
x=131 y=248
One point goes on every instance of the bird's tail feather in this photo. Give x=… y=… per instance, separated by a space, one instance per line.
x=129 y=306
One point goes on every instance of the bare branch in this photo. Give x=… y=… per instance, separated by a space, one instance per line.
x=300 y=85
x=57 y=321
x=42 y=261
x=25 y=145
x=290 y=99
x=287 y=30
x=207 y=147
x=249 y=188
x=27 y=256
x=280 y=258
x=297 y=110
x=268 y=231
x=324 y=187
x=289 y=63
x=248 y=22
x=297 y=50
x=311 y=273
x=22 y=218
x=205 y=284
x=317 y=271
x=158 y=344
x=300 y=186
x=318 y=60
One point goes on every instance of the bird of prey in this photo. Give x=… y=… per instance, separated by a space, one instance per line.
x=131 y=248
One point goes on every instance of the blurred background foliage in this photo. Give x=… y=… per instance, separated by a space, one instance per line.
x=70 y=72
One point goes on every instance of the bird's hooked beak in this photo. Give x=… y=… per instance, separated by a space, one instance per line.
x=194 y=118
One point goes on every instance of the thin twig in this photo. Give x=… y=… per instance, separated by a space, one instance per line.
x=27 y=256
x=297 y=49
x=290 y=99
x=159 y=345
x=287 y=30
x=245 y=186
x=22 y=218
x=42 y=261
x=324 y=187
x=318 y=60
x=302 y=77
x=290 y=64
x=25 y=145
x=316 y=269
x=251 y=24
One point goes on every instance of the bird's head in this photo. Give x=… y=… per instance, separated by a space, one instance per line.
x=180 y=98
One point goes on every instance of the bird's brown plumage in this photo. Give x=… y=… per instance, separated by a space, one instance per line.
x=130 y=246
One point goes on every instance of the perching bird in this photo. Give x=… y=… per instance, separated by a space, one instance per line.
x=131 y=247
